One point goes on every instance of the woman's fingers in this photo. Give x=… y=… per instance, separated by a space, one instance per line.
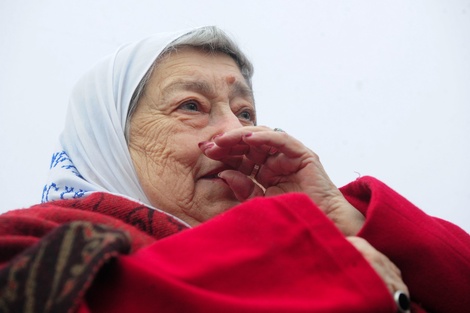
x=278 y=142
x=231 y=145
x=385 y=268
x=277 y=151
x=256 y=145
x=280 y=164
x=216 y=152
x=242 y=186
x=284 y=163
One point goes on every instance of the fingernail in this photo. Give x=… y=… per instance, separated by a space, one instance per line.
x=272 y=151
x=248 y=135
x=204 y=145
x=220 y=176
x=218 y=135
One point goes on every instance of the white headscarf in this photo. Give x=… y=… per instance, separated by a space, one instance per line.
x=93 y=153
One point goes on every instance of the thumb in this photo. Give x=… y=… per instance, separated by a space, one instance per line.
x=242 y=186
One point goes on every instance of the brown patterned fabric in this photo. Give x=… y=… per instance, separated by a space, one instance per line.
x=20 y=229
x=53 y=275
x=50 y=253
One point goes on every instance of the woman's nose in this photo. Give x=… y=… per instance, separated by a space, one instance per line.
x=226 y=120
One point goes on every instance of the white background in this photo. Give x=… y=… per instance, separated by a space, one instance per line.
x=377 y=88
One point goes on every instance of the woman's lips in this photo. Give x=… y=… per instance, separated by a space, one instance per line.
x=214 y=173
x=211 y=176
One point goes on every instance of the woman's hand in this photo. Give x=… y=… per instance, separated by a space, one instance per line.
x=385 y=268
x=279 y=163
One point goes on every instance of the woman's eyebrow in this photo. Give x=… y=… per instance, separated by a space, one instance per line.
x=240 y=89
x=237 y=89
x=198 y=86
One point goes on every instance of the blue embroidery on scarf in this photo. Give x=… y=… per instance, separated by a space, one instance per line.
x=47 y=190
x=73 y=168
x=76 y=194
x=61 y=157
x=68 y=190
x=58 y=157
x=65 y=163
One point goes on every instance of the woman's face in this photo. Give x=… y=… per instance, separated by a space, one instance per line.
x=192 y=96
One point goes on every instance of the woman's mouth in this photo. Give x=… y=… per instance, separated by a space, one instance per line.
x=214 y=173
x=211 y=176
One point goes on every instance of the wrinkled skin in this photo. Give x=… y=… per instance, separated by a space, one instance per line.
x=197 y=151
x=191 y=97
x=286 y=165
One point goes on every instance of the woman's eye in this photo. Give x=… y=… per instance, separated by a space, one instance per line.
x=246 y=115
x=190 y=106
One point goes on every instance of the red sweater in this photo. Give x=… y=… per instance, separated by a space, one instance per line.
x=278 y=254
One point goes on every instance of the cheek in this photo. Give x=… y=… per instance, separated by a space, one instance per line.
x=164 y=153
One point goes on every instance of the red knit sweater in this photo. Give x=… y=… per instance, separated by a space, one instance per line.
x=278 y=254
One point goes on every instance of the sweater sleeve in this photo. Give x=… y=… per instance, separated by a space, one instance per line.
x=278 y=254
x=432 y=254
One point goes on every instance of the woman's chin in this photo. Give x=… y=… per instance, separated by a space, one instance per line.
x=215 y=203
x=220 y=206
x=216 y=208
x=215 y=190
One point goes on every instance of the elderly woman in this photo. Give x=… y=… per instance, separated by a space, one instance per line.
x=166 y=196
